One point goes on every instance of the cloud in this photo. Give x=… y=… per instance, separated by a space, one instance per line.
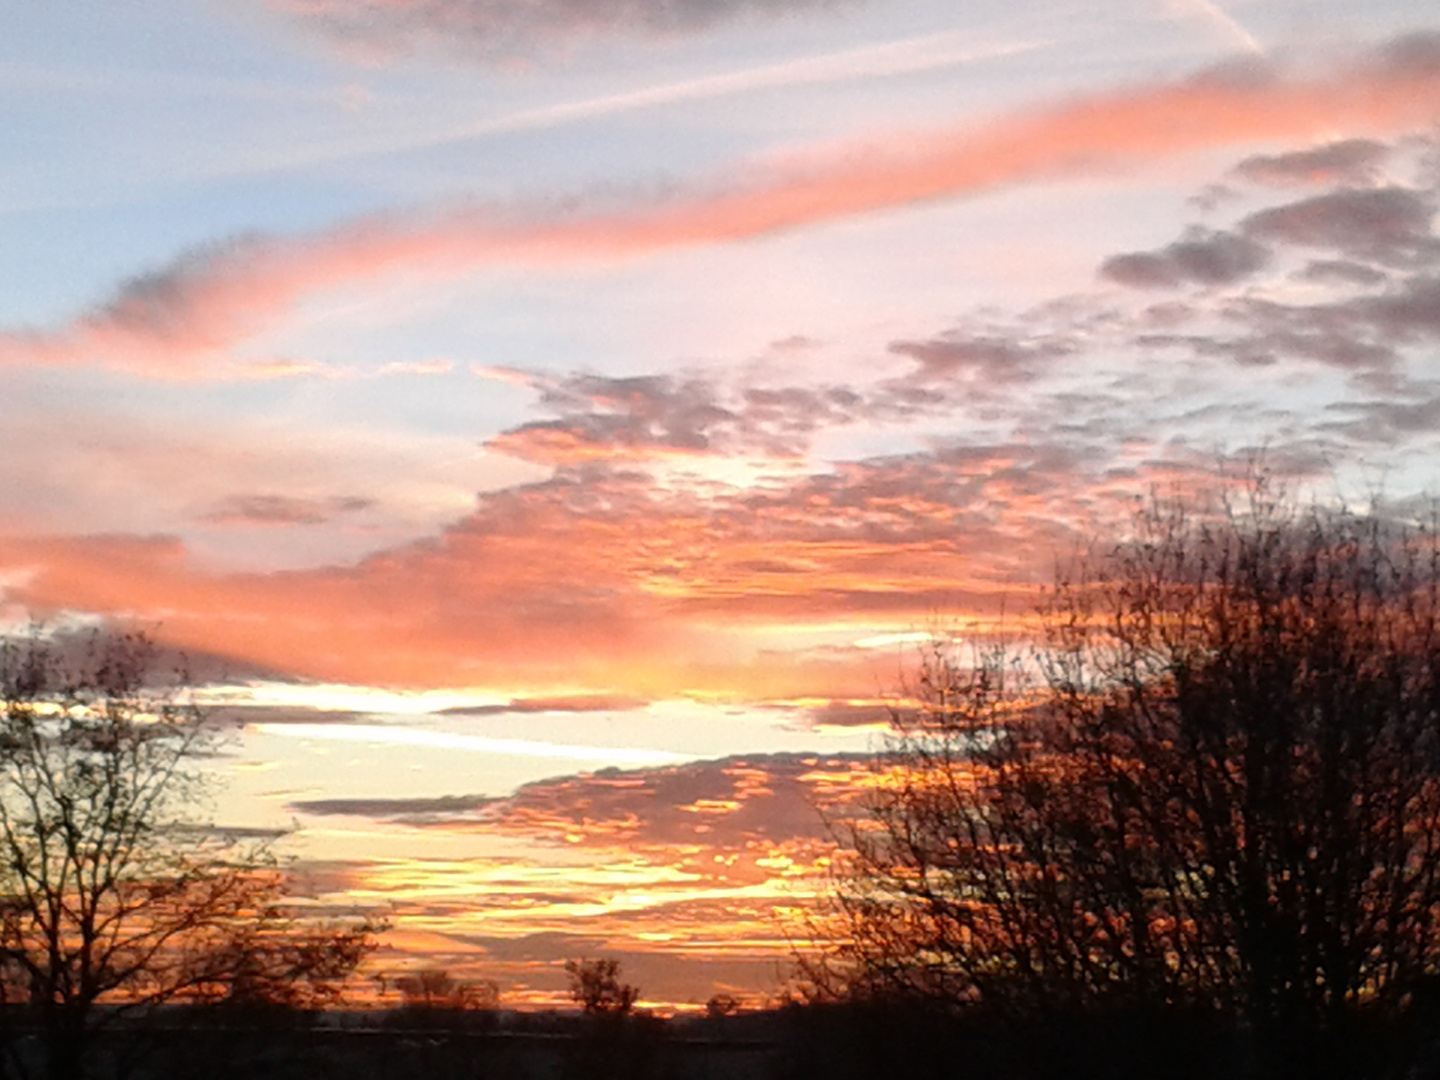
x=730 y=802
x=1390 y=225
x=608 y=579
x=1342 y=272
x=1223 y=21
x=851 y=714
x=651 y=865
x=1350 y=161
x=1362 y=308
x=243 y=715
x=1387 y=422
x=110 y=464
x=565 y=703
x=284 y=510
x=609 y=418
x=501 y=29
x=1407 y=314
x=622 y=574
x=654 y=865
x=650 y=417
x=626 y=572
x=184 y=320
x=412 y=811
x=1360 y=333
x=980 y=362
x=1202 y=258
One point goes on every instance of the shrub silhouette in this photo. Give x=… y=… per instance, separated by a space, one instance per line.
x=595 y=985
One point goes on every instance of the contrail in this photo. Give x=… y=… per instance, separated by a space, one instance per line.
x=1227 y=23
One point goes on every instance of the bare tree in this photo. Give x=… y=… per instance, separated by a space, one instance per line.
x=722 y=1005
x=113 y=896
x=1215 y=781
x=595 y=985
x=434 y=989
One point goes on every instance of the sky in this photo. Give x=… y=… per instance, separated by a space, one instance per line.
x=549 y=426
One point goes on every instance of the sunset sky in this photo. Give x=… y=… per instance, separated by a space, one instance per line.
x=548 y=426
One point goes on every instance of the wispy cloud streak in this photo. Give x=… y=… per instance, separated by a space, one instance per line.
x=908 y=56
x=502 y=29
x=186 y=320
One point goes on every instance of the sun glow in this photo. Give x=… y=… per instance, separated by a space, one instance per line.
x=380 y=735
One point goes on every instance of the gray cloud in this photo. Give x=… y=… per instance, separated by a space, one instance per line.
x=1352 y=161
x=606 y=418
x=611 y=419
x=728 y=801
x=1202 y=258
x=1408 y=313
x=782 y=418
x=1342 y=272
x=284 y=510
x=414 y=811
x=980 y=362
x=175 y=305
x=1386 y=422
x=1363 y=333
x=572 y=703
x=1387 y=225
x=1417 y=53
x=239 y=715
x=1370 y=297
x=848 y=714
x=505 y=29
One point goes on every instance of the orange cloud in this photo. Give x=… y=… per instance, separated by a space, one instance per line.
x=615 y=583
x=603 y=581
x=183 y=321
x=696 y=861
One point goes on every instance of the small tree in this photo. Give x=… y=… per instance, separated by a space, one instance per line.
x=1214 y=781
x=112 y=893
x=434 y=989
x=721 y=1005
x=595 y=985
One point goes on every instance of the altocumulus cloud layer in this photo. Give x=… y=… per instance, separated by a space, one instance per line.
x=1301 y=317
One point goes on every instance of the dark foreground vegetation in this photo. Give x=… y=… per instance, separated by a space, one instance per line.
x=852 y=1041
x=1190 y=827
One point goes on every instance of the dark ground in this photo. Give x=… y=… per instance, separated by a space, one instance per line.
x=797 y=1043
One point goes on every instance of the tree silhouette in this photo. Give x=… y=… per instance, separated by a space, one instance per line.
x=595 y=985
x=1214 y=782
x=113 y=896
x=434 y=989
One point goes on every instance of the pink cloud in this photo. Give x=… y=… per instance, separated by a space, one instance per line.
x=186 y=320
x=612 y=582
